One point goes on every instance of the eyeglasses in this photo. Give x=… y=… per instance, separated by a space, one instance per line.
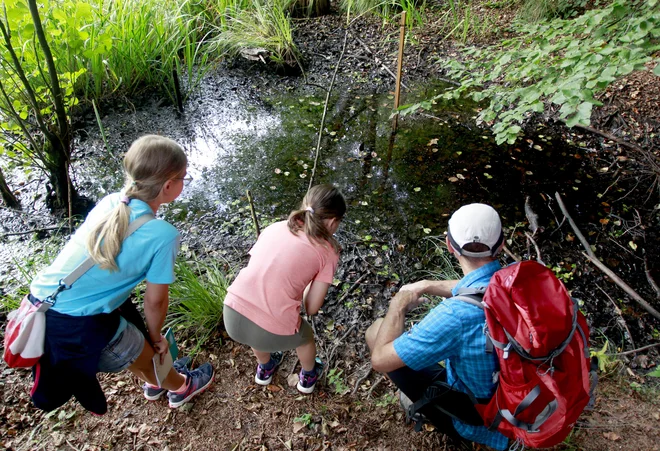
x=186 y=180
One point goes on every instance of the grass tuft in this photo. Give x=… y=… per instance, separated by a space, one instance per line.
x=197 y=299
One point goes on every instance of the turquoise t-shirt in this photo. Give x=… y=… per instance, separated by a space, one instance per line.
x=149 y=253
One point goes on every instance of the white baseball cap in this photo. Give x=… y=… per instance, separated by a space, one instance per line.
x=475 y=223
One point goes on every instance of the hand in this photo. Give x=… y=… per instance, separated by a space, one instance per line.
x=419 y=288
x=407 y=300
x=161 y=347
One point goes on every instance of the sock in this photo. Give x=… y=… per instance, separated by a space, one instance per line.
x=309 y=373
x=183 y=388
x=268 y=366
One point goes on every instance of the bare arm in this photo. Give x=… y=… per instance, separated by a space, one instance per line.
x=384 y=357
x=156 y=301
x=431 y=287
x=314 y=296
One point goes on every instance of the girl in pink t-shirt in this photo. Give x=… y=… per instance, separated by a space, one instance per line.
x=292 y=263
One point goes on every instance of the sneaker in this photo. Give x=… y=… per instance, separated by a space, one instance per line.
x=153 y=393
x=198 y=380
x=264 y=376
x=307 y=382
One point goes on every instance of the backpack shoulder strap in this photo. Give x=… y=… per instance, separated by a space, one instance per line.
x=88 y=263
x=472 y=296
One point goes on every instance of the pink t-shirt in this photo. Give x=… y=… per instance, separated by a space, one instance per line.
x=269 y=290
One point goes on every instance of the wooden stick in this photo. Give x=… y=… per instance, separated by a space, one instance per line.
x=593 y=259
x=538 y=252
x=361 y=379
x=511 y=254
x=254 y=214
x=325 y=110
x=650 y=279
x=352 y=287
x=399 y=67
x=617 y=310
x=581 y=237
x=634 y=351
x=632 y=293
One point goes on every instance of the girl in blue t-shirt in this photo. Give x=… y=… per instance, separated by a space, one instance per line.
x=87 y=331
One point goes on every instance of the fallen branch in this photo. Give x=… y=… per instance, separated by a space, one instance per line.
x=650 y=279
x=334 y=348
x=352 y=287
x=634 y=351
x=511 y=254
x=361 y=379
x=621 y=320
x=373 y=387
x=579 y=235
x=35 y=230
x=632 y=293
x=538 y=252
x=593 y=259
x=608 y=136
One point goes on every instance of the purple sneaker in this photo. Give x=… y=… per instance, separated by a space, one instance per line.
x=307 y=382
x=264 y=376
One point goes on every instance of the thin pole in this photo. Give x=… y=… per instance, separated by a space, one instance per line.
x=397 y=91
x=254 y=214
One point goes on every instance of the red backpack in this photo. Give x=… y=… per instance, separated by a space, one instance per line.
x=541 y=341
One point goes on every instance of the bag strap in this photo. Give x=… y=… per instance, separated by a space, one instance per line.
x=88 y=263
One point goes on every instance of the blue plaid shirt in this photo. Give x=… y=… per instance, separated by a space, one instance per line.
x=453 y=332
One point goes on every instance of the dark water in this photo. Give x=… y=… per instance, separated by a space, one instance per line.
x=266 y=143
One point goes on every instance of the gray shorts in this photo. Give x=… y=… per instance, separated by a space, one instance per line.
x=244 y=331
x=121 y=352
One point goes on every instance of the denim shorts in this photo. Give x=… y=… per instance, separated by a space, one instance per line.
x=121 y=352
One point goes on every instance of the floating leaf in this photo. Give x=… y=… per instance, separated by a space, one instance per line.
x=417 y=189
x=488 y=176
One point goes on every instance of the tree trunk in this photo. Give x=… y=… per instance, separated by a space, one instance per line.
x=7 y=195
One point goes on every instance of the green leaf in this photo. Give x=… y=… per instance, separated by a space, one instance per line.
x=657 y=69
x=654 y=373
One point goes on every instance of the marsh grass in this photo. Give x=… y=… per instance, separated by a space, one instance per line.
x=197 y=299
x=264 y=25
x=459 y=22
x=387 y=10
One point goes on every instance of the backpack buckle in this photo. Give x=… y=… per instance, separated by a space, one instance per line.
x=506 y=351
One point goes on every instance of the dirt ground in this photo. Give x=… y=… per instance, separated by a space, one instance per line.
x=358 y=409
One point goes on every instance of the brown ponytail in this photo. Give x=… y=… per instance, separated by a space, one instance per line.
x=321 y=202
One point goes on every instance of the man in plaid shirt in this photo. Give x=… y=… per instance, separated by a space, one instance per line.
x=452 y=332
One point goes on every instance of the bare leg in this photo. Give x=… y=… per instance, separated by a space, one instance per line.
x=307 y=355
x=262 y=357
x=372 y=332
x=143 y=368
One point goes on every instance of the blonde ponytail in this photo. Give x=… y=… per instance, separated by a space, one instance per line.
x=149 y=163
x=320 y=203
